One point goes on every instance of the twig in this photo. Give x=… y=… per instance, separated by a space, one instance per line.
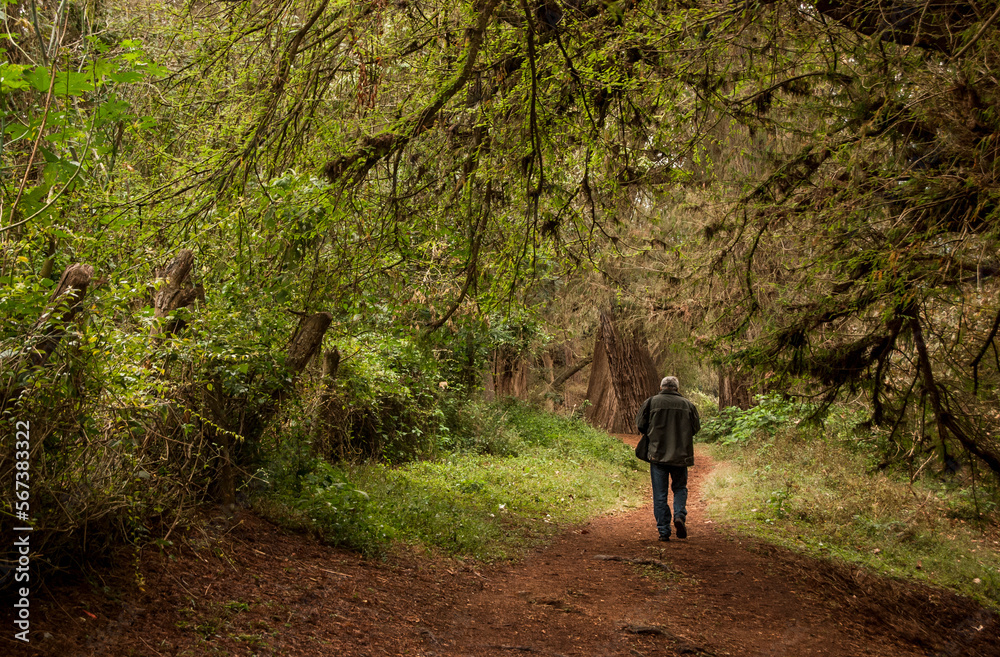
x=920 y=469
x=34 y=151
x=644 y=629
x=181 y=582
x=982 y=30
x=521 y=648
x=639 y=562
x=150 y=647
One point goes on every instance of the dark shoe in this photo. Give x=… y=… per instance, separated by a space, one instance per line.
x=682 y=531
x=665 y=539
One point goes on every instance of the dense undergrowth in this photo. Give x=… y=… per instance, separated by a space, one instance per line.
x=826 y=490
x=132 y=432
x=513 y=476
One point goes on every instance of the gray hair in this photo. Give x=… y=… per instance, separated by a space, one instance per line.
x=670 y=383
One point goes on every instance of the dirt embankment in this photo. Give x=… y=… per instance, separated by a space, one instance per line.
x=607 y=588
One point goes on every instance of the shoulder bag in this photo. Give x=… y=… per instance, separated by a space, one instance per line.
x=642 y=449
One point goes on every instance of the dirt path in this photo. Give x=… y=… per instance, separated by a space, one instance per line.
x=713 y=594
x=608 y=588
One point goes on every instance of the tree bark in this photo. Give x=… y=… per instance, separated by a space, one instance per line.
x=622 y=377
x=734 y=389
x=307 y=340
x=571 y=372
x=174 y=293
x=549 y=366
x=603 y=409
x=510 y=374
x=324 y=407
x=66 y=301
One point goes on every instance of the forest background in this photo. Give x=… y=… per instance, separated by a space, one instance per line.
x=245 y=244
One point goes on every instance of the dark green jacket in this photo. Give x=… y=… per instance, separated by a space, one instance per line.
x=671 y=422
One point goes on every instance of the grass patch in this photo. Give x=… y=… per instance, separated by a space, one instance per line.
x=817 y=493
x=539 y=473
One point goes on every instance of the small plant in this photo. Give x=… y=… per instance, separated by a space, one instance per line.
x=778 y=501
x=326 y=503
x=207 y=629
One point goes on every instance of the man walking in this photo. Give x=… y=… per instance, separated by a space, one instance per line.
x=670 y=421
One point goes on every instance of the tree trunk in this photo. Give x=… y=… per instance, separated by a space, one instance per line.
x=734 y=389
x=489 y=386
x=323 y=415
x=307 y=340
x=174 y=293
x=603 y=409
x=549 y=367
x=305 y=343
x=510 y=374
x=622 y=376
x=571 y=372
x=66 y=301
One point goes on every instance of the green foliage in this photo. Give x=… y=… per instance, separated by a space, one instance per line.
x=323 y=501
x=70 y=124
x=478 y=428
x=816 y=491
x=487 y=506
x=708 y=405
x=433 y=210
x=102 y=469
x=772 y=412
x=386 y=401
x=516 y=334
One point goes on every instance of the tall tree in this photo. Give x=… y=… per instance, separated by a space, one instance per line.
x=865 y=251
x=622 y=375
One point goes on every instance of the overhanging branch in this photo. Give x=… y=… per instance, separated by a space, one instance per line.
x=372 y=149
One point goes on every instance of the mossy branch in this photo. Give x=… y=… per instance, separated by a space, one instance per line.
x=372 y=149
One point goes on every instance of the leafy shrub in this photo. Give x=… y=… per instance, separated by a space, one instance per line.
x=479 y=429
x=323 y=502
x=386 y=401
x=113 y=461
x=772 y=412
x=708 y=405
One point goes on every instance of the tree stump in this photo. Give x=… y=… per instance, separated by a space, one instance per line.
x=174 y=293
x=66 y=301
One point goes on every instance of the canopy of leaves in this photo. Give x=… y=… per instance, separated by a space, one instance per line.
x=815 y=182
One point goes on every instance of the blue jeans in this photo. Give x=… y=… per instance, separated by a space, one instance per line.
x=678 y=476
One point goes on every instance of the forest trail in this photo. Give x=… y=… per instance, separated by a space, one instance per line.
x=606 y=588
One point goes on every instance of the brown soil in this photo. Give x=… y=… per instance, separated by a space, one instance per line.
x=606 y=588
